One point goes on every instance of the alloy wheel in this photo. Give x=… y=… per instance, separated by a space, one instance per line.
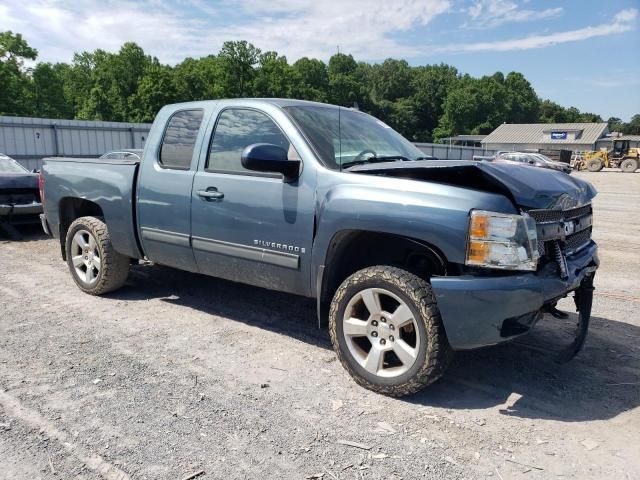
x=85 y=256
x=381 y=332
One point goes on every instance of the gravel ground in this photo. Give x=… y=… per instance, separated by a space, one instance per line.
x=179 y=373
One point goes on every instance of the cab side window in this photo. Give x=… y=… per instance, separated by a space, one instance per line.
x=180 y=139
x=236 y=129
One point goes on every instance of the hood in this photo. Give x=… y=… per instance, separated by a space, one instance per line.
x=527 y=187
x=559 y=165
x=18 y=181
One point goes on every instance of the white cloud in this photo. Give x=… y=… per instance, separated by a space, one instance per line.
x=623 y=21
x=366 y=28
x=57 y=28
x=492 y=13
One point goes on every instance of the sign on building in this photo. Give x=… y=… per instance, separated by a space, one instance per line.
x=558 y=135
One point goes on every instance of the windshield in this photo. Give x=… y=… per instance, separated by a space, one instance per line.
x=344 y=137
x=9 y=165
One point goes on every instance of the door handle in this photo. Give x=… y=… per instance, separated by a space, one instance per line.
x=210 y=193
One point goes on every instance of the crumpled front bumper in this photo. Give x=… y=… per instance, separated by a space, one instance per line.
x=476 y=310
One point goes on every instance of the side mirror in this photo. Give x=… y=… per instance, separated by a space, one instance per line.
x=265 y=157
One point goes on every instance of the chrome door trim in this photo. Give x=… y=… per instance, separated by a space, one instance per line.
x=165 y=236
x=237 y=250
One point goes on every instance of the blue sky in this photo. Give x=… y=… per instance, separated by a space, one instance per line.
x=581 y=53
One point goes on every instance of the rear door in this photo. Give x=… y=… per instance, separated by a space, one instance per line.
x=164 y=196
x=257 y=228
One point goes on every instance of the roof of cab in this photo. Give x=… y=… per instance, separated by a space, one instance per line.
x=280 y=102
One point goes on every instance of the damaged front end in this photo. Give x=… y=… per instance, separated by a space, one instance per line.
x=501 y=294
x=480 y=308
x=561 y=234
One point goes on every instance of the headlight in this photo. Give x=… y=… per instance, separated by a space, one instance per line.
x=499 y=240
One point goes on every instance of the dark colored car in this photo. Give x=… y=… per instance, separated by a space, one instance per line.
x=19 y=195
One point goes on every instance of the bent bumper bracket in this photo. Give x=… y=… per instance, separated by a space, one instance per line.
x=583 y=299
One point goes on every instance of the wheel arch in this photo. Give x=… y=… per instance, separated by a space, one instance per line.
x=353 y=250
x=70 y=209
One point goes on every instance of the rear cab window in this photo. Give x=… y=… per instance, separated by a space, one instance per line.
x=178 y=142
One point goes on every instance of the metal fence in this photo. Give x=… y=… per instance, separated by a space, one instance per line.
x=453 y=152
x=28 y=140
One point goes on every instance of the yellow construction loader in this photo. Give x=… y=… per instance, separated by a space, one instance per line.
x=618 y=156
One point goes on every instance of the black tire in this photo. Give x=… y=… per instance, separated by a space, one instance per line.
x=433 y=350
x=629 y=165
x=595 y=165
x=114 y=267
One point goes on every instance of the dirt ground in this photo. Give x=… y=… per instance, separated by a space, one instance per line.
x=179 y=373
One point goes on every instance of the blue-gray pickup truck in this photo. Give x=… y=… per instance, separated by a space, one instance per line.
x=409 y=259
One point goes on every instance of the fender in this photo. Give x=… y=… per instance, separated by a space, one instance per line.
x=435 y=214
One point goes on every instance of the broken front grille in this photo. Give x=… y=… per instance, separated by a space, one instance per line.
x=551 y=216
x=562 y=232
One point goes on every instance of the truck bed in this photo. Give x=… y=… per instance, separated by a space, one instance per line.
x=109 y=183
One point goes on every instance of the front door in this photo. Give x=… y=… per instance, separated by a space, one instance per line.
x=247 y=226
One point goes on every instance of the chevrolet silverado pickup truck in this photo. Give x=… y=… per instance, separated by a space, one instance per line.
x=408 y=259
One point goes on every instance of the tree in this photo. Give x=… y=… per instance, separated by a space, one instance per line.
x=615 y=124
x=431 y=84
x=15 y=48
x=14 y=80
x=48 y=91
x=155 y=89
x=475 y=106
x=199 y=79
x=522 y=103
x=310 y=80
x=344 y=89
x=633 y=127
x=273 y=78
x=239 y=59
x=391 y=80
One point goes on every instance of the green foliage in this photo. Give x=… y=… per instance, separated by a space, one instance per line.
x=48 y=92
x=14 y=47
x=310 y=80
x=239 y=60
x=14 y=80
x=633 y=127
x=424 y=103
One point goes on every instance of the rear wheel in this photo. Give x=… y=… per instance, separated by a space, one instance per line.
x=629 y=165
x=387 y=331
x=595 y=165
x=93 y=262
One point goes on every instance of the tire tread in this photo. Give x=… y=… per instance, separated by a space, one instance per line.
x=438 y=351
x=114 y=265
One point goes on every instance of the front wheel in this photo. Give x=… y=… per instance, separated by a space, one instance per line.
x=595 y=165
x=95 y=265
x=387 y=332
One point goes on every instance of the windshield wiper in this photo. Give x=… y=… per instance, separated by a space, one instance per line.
x=379 y=159
x=402 y=158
